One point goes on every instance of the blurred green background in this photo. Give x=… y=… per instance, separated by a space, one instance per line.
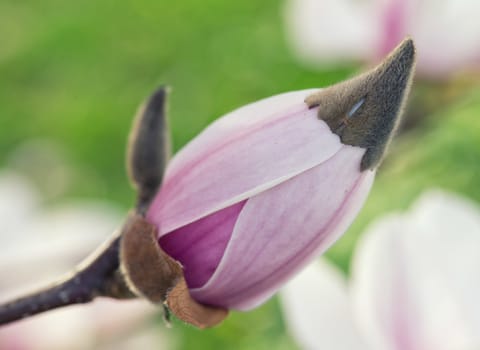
x=73 y=73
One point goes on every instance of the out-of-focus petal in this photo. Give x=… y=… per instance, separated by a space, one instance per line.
x=242 y=161
x=317 y=309
x=42 y=246
x=150 y=336
x=447 y=34
x=393 y=18
x=415 y=277
x=329 y=30
x=382 y=304
x=280 y=230
x=101 y=324
x=59 y=329
x=18 y=200
x=48 y=243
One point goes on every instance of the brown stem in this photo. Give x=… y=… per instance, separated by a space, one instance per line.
x=99 y=274
x=96 y=276
x=145 y=270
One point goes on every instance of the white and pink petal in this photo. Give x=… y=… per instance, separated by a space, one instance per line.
x=221 y=171
x=280 y=230
x=415 y=277
x=317 y=309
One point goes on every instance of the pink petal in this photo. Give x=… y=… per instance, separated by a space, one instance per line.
x=394 y=18
x=417 y=277
x=199 y=246
x=280 y=230
x=244 y=153
x=317 y=309
x=234 y=124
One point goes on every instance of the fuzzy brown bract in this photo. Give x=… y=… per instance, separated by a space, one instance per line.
x=364 y=110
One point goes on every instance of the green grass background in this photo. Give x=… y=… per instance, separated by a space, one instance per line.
x=75 y=72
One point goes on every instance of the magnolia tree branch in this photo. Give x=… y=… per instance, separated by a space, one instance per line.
x=96 y=277
x=99 y=274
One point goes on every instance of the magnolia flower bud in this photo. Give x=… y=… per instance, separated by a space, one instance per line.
x=245 y=205
x=265 y=188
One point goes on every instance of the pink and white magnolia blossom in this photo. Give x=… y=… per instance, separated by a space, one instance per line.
x=446 y=32
x=266 y=188
x=254 y=197
x=39 y=244
x=414 y=286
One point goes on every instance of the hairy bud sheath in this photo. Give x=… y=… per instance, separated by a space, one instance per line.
x=269 y=186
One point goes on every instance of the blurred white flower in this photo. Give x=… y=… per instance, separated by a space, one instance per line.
x=446 y=32
x=39 y=245
x=415 y=285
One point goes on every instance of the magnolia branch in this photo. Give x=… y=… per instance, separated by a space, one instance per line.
x=99 y=274
x=131 y=263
